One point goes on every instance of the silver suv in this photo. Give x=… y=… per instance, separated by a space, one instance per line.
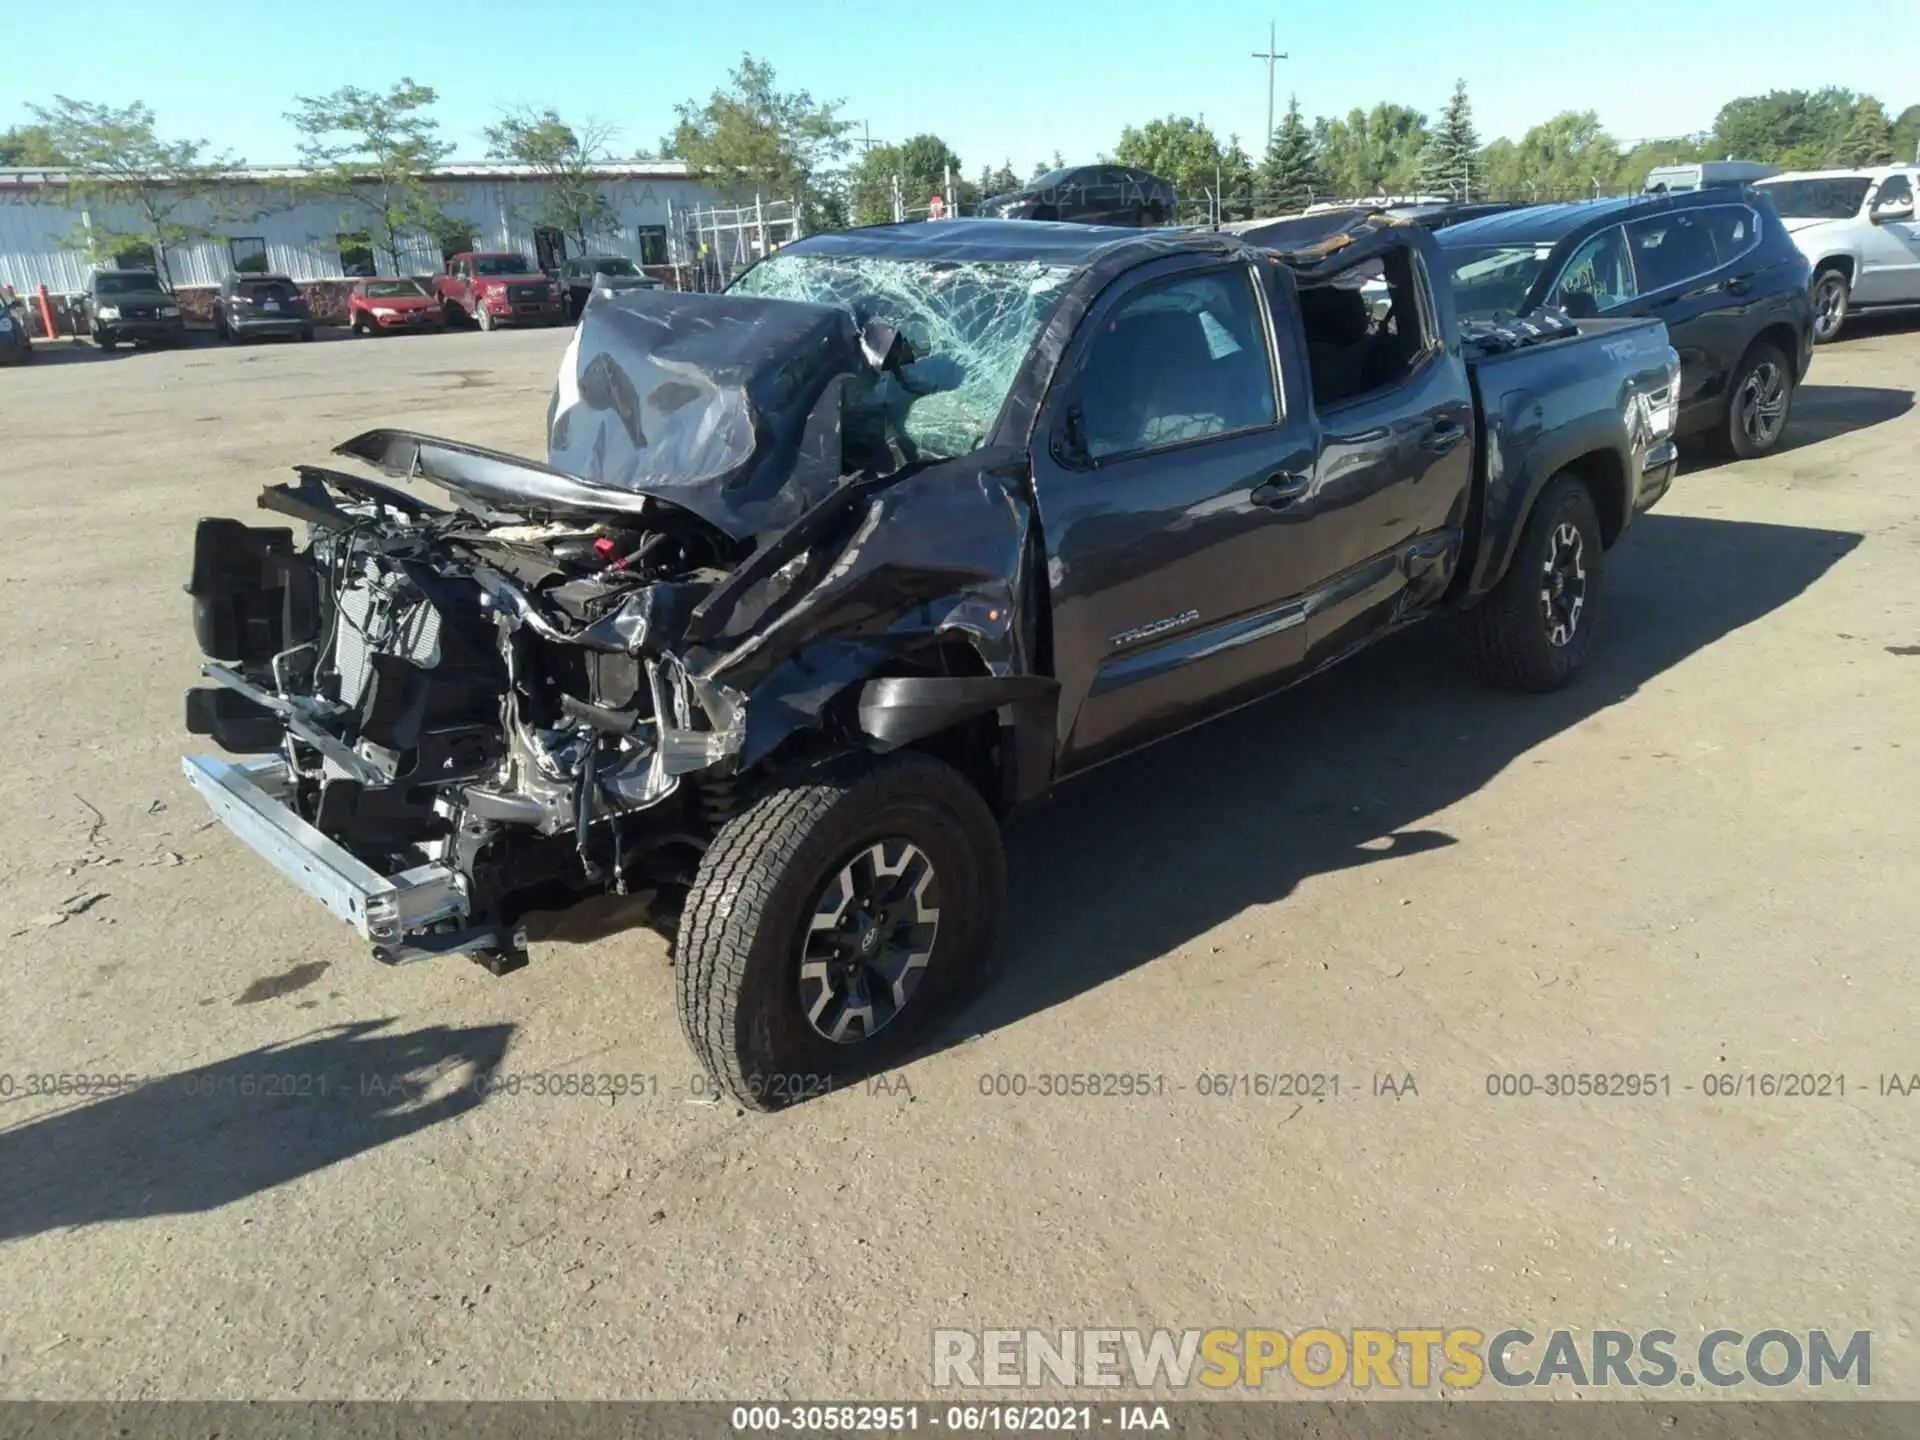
x=1858 y=232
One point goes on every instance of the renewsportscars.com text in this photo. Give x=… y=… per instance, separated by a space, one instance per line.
x=1458 y=1358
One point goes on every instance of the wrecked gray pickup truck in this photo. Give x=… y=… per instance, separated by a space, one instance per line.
x=824 y=573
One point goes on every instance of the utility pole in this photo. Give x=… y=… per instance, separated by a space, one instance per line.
x=866 y=141
x=1270 y=55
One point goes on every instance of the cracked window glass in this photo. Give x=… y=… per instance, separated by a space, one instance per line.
x=969 y=325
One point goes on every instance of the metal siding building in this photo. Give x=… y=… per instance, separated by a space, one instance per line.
x=302 y=234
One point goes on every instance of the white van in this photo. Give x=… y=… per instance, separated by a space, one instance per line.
x=1682 y=179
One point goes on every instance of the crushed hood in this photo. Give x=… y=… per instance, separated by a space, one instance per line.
x=726 y=405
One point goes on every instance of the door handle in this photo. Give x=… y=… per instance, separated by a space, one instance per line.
x=1739 y=284
x=1444 y=437
x=1280 y=490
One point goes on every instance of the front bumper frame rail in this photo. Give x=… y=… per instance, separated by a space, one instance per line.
x=248 y=798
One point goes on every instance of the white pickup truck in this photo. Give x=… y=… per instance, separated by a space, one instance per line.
x=1859 y=234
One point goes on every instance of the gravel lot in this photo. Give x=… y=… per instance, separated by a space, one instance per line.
x=1700 y=860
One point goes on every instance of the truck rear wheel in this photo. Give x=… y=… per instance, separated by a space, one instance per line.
x=1535 y=630
x=832 y=921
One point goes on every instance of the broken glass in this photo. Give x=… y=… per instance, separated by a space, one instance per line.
x=969 y=324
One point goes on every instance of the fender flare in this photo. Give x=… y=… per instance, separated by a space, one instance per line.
x=1570 y=451
x=898 y=710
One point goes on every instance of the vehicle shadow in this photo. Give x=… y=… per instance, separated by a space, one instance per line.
x=199 y=1139
x=1820 y=413
x=1129 y=862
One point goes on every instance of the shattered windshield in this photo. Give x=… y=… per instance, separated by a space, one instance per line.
x=969 y=325
x=1825 y=199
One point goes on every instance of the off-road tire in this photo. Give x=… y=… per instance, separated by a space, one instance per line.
x=1831 y=277
x=307 y=334
x=1506 y=637
x=104 y=342
x=1733 y=440
x=738 y=951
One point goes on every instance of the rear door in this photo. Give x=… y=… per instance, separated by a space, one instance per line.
x=1172 y=457
x=1395 y=467
x=1684 y=282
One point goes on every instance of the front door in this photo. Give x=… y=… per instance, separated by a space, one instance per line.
x=1170 y=475
x=1890 y=249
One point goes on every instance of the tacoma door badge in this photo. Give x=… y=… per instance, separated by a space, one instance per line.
x=1155 y=628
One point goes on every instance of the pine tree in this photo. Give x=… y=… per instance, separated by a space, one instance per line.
x=1869 y=139
x=1447 y=164
x=1290 y=173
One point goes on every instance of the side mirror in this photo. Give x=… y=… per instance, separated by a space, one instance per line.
x=1893 y=210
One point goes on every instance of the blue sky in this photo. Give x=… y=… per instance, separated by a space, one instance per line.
x=998 y=79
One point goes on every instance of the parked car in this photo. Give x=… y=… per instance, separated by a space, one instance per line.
x=385 y=304
x=16 y=337
x=924 y=519
x=1858 y=231
x=1684 y=179
x=132 y=305
x=1091 y=195
x=1717 y=266
x=581 y=275
x=249 y=307
x=498 y=288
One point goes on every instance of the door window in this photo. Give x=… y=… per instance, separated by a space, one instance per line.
x=1671 y=249
x=1597 y=277
x=1177 y=361
x=1367 y=328
x=1735 y=230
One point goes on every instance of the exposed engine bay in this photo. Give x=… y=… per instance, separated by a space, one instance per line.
x=556 y=684
x=443 y=689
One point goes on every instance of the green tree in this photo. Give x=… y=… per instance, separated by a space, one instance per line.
x=1372 y=152
x=1447 y=163
x=1047 y=167
x=572 y=198
x=1869 y=138
x=1797 y=128
x=1236 y=181
x=136 y=188
x=752 y=138
x=1568 y=157
x=1289 y=176
x=1179 y=149
x=1906 y=135
x=998 y=181
x=28 y=145
x=375 y=153
x=920 y=165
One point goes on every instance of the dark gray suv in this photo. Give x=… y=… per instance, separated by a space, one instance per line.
x=132 y=305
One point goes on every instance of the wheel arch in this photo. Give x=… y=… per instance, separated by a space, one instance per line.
x=1840 y=260
x=943 y=699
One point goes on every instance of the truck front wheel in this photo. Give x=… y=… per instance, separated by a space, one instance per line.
x=1535 y=630
x=832 y=921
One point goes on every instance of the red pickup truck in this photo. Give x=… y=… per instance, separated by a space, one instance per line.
x=498 y=288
